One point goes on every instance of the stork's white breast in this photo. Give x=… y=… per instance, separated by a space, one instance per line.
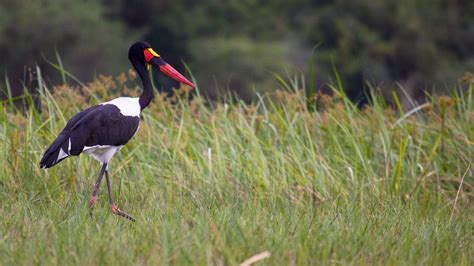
x=128 y=106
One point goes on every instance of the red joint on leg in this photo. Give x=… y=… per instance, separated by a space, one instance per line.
x=115 y=210
x=92 y=201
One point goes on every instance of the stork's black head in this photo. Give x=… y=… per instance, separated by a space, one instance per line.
x=141 y=53
x=136 y=51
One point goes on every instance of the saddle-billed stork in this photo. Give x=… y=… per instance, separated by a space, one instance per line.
x=100 y=131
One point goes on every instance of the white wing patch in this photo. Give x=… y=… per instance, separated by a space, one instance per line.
x=61 y=155
x=128 y=106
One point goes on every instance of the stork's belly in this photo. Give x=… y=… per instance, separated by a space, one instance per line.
x=102 y=153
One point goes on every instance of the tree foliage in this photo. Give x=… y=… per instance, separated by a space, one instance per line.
x=32 y=31
x=236 y=44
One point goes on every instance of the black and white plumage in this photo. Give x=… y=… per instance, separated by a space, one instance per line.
x=100 y=131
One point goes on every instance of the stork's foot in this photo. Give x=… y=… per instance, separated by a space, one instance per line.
x=92 y=201
x=117 y=211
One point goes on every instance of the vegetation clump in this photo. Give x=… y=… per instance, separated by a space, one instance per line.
x=218 y=183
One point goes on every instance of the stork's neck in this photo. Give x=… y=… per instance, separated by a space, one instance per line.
x=147 y=94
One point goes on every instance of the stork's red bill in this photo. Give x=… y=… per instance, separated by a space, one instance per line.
x=154 y=58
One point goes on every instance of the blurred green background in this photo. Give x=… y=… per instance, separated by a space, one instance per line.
x=237 y=45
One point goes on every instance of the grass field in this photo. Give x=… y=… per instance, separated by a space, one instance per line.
x=217 y=184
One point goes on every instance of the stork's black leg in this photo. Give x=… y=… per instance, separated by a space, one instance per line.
x=96 y=188
x=114 y=208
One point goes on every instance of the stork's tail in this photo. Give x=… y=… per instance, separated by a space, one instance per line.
x=58 y=151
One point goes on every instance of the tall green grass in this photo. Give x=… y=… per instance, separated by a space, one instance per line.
x=218 y=183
